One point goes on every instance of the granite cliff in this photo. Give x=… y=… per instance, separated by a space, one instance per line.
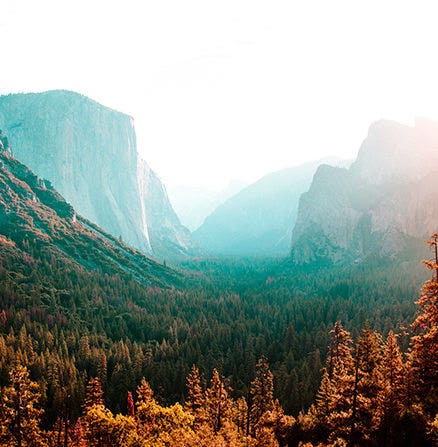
x=89 y=153
x=385 y=202
x=38 y=227
x=259 y=219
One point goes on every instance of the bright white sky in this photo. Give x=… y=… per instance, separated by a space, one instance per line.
x=231 y=89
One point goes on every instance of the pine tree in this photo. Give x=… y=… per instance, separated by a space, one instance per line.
x=262 y=393
x=217 y=402
x=144 y=393
x=20 y=415
x=334 y=398
x=392 y=398
x=424 y=345
x=196 y=395
x=94 y=394
x=368 y=384
x=145 y=408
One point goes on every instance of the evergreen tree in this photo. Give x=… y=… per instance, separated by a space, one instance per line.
x=392 y=398
x=94 y=394
x=196 y=395
x=144 y=392
x=20 y=415
x=262 y=393
x=217 y=402
x=424 y=345
x=334 y=398
x=366 y=410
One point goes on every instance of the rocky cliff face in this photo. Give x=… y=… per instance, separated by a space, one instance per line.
x=259 y=219
x=387 y=200
x=89 y=153
x=37 y=224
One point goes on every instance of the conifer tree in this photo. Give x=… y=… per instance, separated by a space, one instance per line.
x=424 y=345
x=20 y=415
x=145 y=407
x=334 y=398
x=392 y=398
x=196 y=395
x=144 y=392
x=262 y=392
x=94 y=395
x=218 y=403
x=368 y=384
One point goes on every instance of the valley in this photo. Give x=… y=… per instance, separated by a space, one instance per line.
x=88 y=315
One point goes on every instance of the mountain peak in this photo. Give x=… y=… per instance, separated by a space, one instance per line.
x=394 y=152
x=386 y=199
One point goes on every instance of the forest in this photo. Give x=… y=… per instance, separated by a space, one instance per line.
x=245 y=352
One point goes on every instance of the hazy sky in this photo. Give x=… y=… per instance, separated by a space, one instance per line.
x=231 y=89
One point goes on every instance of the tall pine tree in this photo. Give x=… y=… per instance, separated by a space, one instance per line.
x=19 y=412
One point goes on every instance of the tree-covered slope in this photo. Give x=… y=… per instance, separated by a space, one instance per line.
x=35 y=217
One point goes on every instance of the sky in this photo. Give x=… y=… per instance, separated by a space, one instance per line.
x=224 y=90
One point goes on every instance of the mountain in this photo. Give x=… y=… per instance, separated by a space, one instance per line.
x=259 y=219
x=37 y=224
x=89 y=153
x=384 y=203
x=193 y=204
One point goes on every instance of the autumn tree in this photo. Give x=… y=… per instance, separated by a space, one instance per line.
x=144 y=392
x=19 y=412
x=98 y=421
x=217 y=401
x=130 y=405
x=195 y=393
x=334 y=398
x=368 y=384
x=424 y=344
x=392 y=393
x=94 y=395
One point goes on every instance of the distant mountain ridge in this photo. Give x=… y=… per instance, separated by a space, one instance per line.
x=386 y=201
x=193 y=204
x=259 y=219
x=89 y=153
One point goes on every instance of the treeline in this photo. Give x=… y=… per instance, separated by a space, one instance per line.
x=371 y=394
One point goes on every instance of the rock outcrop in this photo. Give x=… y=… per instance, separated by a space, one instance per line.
x=386 y=201
x=35 y=218
x=89 y=153
x=259 y=219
